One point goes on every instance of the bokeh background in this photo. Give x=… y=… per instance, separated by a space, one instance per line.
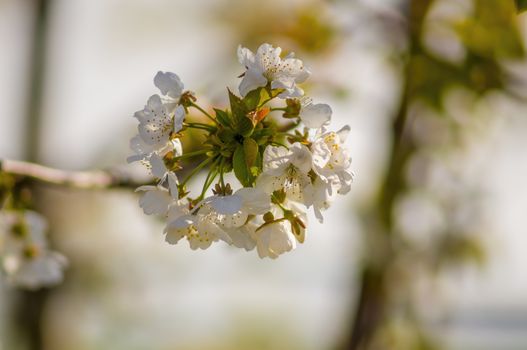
x=428 y=251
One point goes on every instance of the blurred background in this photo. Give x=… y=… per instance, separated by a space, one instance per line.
x=428 y=251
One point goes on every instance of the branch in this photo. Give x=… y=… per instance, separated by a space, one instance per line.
x=95 y=179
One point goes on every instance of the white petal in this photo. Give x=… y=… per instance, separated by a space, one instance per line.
x=179 y=116
x=156 y=124
x=343 y=133
x=321 y=154
x=241 y=238
x=173 y=185
x=275 y=158
x=155 y=200
x=141 y=149
x=252 y=80
x=169 y=84
x=245 y=56
x=268 y=183
x=267 y=56
x=44 y=270
x=226 y=205
x=255 y=200
x=181 y=222
x=158 y=166
x=301 y=157
x=235 y=220
x=315 y=116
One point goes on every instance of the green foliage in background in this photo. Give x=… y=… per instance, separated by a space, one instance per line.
x=489 y=36
x=521 y=5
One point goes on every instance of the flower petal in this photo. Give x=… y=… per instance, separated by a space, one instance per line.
x=255 y=200
x=226 y=205
x=315 y=116
x=169 y=84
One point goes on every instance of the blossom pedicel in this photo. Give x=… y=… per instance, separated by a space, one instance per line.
x=283 y=170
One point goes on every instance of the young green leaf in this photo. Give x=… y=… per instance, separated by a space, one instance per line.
x=252 y=99
x=223 y=117
x=250 y=148
x=245 y=127
x=240 y=122
x=238 y=107
x=240 y=167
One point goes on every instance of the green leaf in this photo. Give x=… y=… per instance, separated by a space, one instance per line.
x=252 y=99
x=225 y=135
x=250 y=148
x=521 y=5
x=245 y=127
x=240 y=122
x=240 y=167
x=223 y=117
x=238 y=108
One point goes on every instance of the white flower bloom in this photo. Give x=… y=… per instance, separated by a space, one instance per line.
x=286 y=170
x=25 y=256
x=150 y=157
x=287 y=180
x=233 y=210
x=157 y=199
x=319 y=195
x=267 y=66
x=159 y=119
x=243 y=236
x=200 y=229
x=180 y=223
x=274 y=239
x=156 y=122
x=315 y=116
x=43 y=270
x=331 y=159
x=298 y=221
x=217 y=217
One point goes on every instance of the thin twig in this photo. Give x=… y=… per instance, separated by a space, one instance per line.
x=94 y=179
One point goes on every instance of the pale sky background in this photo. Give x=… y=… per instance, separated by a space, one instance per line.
x=102 y=58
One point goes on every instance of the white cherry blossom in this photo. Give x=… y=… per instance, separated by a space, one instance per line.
x=217 y=217
x=157 y=123
x=43 y=270
x=318 y=194
x=332 y=160
x=24 y=252
x=159 y=120
x=243 y=236
x=200 y=229
x=233 y=210
x=274 y=239
x=286 y=170
x=308 y=169
x=267 y=66
x=157 y=199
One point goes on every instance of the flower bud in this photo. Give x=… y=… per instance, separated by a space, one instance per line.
x=268 y=217
x=292 y=110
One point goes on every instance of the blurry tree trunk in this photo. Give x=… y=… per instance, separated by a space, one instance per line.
x=372 y=307
x=28 y=306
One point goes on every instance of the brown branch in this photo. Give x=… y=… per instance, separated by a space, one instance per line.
x=94 y=179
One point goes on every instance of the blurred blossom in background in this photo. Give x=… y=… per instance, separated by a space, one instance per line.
x=426 y=252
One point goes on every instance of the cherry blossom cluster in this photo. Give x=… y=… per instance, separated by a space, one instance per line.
x=25 y=258
x=275 y=140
